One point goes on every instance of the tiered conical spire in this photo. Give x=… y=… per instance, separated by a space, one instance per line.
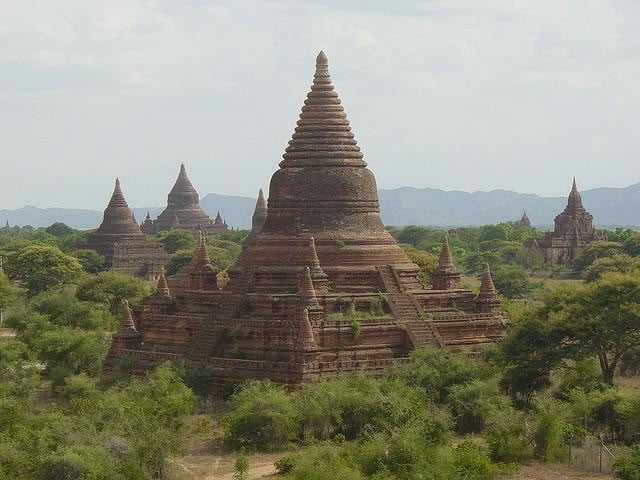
x=117 y=197
x=183 y=194
x=525 y=219
x=306 y=339
x=218 y=220
x=313 y=260
x=575 y=200
x=487 y=287
x=163 y=286
x=445 y=262
x=127 y=324
x=323 y=135
x=118 y=217
x=201 y=255
x=259 y=214
x=305 y=289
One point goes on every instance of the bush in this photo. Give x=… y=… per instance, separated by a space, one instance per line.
x=435 y=371
x=627 y=467
x=471 y=462
x=262 y=417
x=506 y=435
x=511 y=281
x=471 y=403
x=548 y=435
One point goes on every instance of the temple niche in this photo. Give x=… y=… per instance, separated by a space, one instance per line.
x=184 y=212
x=318 y=261
x=573 y=231
x=119 y=240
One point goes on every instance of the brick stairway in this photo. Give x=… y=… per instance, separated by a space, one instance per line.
x=407 y=312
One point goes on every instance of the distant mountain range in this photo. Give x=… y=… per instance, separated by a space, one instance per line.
x=401 y=206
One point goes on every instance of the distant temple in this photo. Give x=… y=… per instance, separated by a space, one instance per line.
x=573 y=231
x=124 y=246
x=524 y=221
x=318 y=263
x=183 y=211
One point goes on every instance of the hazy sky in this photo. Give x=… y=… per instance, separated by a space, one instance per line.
x=468 y=95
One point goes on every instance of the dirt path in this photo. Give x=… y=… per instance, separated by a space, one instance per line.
x=553 y=471
x=220 y=467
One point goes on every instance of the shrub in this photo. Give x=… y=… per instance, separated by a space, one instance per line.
x=262 y=417
x=471 y=403
x=627 y=467
x=471 y=462
x=436 y=371
x=549 y=419
x=506 y=435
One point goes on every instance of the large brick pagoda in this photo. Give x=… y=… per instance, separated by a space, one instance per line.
x=183 y=211
x=320 y=287
x=573 y=231
x=124 y=246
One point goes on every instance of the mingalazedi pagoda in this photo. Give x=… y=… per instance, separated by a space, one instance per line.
x=573 y=231
x=124 y=247
x=320 y=287
x=183 y=211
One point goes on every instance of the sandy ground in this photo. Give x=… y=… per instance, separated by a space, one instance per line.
x=7 y=333
x=553 y=471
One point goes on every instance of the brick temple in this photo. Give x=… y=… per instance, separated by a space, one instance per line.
x=183 y=211
x=573 y=231
x=123 y=245
x=320 y=287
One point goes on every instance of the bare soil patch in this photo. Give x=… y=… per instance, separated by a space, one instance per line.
x=554 y=471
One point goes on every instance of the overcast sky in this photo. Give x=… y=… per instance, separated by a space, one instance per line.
x=465 y=95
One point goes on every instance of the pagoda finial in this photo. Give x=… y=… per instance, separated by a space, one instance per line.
x=163 y=286
x=117 y=198
x=323 y=134
x=306 y=339
x=201 y=255
x=575 y=200
x=259 y=214
x=305 y=289
x=127 y=324
x=445 y=261
x=487 y=287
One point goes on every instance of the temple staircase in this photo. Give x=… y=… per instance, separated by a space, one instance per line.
x=408 y=313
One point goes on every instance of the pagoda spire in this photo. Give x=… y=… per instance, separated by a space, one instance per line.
x=446 y=276
x=183 y=194
x=323 y=136
x=201 y=255
x=127 y=324
x=575 y=199
x=117 y=197
x=259 y=214
x=218 y=219
x=163 y=286
x=306 y=292
x=445 y=262
x=487 y=287
x=306 y=339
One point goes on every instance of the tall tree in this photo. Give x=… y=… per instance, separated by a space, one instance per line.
x=110 y=288
x=40 y=267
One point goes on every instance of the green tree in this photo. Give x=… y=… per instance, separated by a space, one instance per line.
x=91 y=261
x=175 y=240
x=600 y=319
x=632 y=245
x=59 y=229
x=110 y=288
x=511 y=281
x=40 y=267
x=619 y=263
x=8 y=292
x=593 y=251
